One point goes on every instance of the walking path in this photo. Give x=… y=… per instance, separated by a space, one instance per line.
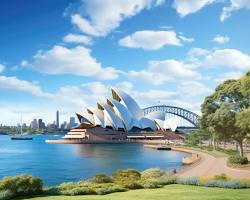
x=209 y=165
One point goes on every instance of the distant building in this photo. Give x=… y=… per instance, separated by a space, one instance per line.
x=52 y=126
x=34 y=124
x=72 y=122
x=57 y=119
x=24 y=125
x=41 y=124
x=64 y=125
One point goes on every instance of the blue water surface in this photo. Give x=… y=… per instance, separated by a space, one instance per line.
x=57 y=163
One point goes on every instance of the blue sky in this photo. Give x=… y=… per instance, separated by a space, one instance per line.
x=65 y=54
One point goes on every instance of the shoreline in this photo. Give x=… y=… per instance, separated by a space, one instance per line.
x=198 y=164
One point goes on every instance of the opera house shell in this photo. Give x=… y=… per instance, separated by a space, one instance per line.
x=120 y=112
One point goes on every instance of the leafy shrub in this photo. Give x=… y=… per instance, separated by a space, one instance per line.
x=78 y=191
x=101 y=178
x=188 y=181
x=167 y=180
x=151 y=184
x=126 y=175
x=110 y=189
x=67 y=186
x=6 y=194
x=215 y=183
x=222 y=177
x=204 y=179
x=152 y=173
x=133 y=185
x=232 y=184
x=237 y=159
x=21 y=185
x=243 y=183
x=54 y=190
x=222 y=184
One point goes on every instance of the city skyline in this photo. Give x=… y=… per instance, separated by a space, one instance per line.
x=67 y=57
x=38 y=123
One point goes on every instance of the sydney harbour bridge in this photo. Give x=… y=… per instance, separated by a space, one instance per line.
x=189 y=119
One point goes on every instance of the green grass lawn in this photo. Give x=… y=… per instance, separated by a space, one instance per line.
x=170 y=192
x=215 y=153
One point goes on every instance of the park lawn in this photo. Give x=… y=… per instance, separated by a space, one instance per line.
x=214 y=153
x=169 y=192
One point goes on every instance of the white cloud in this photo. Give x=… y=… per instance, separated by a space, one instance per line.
x=227 y=58
x=150 y=40
x=76 y=61
x=24 y=63
x=82 y=95
x=13 y=83
x=126 y=86
x=184 y=7
x=221 y=39
x=185 y=39
x=195 y=54
x=228 y=75
x=159 y=72
x=234 y=6
x=104 y=16
x=84 y=25
x=76 y=38
x=2 y=68
x=153 y=97
x=193 y=88
x=160 y=96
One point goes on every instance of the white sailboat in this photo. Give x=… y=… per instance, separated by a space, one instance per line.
x=20 y=137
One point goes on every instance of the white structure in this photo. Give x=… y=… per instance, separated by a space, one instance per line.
x=121 y=112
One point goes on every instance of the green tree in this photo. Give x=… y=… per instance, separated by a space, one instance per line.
x=223 y=122
x=221 y=111
x=197 y=136
x=243 y=124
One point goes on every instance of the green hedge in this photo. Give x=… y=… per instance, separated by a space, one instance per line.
x=237 y=159
x=20 y=186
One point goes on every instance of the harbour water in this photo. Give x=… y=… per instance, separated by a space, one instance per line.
x=57 y=163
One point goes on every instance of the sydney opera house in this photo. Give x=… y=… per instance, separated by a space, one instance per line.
x=119 y=118
x=122 y=113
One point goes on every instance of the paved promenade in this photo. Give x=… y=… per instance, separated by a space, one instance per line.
x=210 y=166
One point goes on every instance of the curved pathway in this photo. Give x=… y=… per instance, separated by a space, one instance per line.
x=210 y=166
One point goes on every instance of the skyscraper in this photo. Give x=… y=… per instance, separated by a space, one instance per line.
x=34 y=124
x=57 y=119
x=72 y=122
x=41 y=124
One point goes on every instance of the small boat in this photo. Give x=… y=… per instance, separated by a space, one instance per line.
x=163 y=148
x=14 y=137
x=21 y=138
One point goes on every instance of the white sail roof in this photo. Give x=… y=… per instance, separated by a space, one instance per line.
x=128 y=102
x=122 y=112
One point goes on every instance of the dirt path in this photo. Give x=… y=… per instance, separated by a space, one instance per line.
x=210 y=166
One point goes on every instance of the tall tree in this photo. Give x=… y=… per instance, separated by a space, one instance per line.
x=243 y=123
x=224 y=110
x=223 y=122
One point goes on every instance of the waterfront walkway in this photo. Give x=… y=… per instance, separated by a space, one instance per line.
x=209 y=165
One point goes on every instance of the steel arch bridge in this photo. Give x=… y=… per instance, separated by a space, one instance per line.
x=181 y=112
